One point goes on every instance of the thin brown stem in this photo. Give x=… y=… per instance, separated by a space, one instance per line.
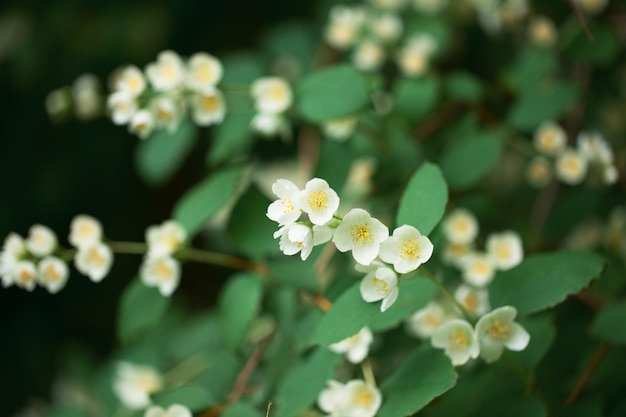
x=581 y=18
x=542 y=207
x=437 y=121
x=593 y=364
x=215 y=258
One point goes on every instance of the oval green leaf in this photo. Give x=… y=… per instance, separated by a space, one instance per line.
x=609 y=324
x=239 y=303
x=414 y=98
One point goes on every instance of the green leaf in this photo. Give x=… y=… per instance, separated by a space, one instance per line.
x=294 y=272
x=206 y=198
x=193 y=397
x=158 y=157
x=300 y=387
x=331 y=93
x=232 y=138
x=463 y=86
x=140 y=309
x=531 y=67
x=424 y=200
x=422 y=376
x=243 y=67
x=414 y=98
x=242 y=410
x=599 y=51
x=544 y=280
x=467 y=160
x=239 y=303
x=609 y=323
x=293 y=44
x=542 y=333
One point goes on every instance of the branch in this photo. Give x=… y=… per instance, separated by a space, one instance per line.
x=581 y=18
x=587 y=372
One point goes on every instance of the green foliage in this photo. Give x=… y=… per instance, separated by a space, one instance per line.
x=415 y=98
x=232 y=138
x=463 y=86
x=194 y=397
x=599 y=51
x=609 y=324
x=239 y=304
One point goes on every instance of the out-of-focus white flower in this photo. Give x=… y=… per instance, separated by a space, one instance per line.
x=340 y=129
x=87 y=97
x=390 y=5
x=609 y=174
x=406 y=249
x=271 y=94
x=174 y=410
x=368 y=55
x=539 y=172
x=58 y=103
x=133 y=384
x=355 y=347
x=52 y=273
x=497 y=330
x=429 y=7
x=165 y=239
x=541 y=31
x=414 y=58
x=208 y=107
x=94 y=260
x=162 y=272
x=166 y=112
x=478 y=269
x=455 y=253
x=592 y=6
x=167 y=73
x=505 y=249
x=506 y=14
x=344 y=26
x=270 y=124
x=550 y=138
x=594 y=147
x=319 y=201
x=460 y=226
x=381 y=284
x=362 y=234
x=131 y=81
x=84 y=231
x=585 y=236
x=203 y=71
x=475 y=300
x=614 y=233
x=359 y=180
x=122 y=107
x=294 y=238
x=41 y=240
x=426 y=320
x=142 y=123
x=458 y=340
x=353 y=399
x=13 y=250
x=571 y=167
x=286 y=209
x=24 y=275
x=386 y=27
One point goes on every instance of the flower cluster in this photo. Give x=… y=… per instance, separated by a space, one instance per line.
x=84 y=97
x=272 y=98
x=133 y=385
x=570 y=165
x=355 y=398
x=160 y=96
x=94 y=258
x=160 y=268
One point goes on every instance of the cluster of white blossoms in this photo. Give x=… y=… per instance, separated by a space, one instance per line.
x=159 y=96
x=568 y=164
x=272 y=98
x=380 y=256
x=133 y=385
x=355 y=398
x=84 y=97
x=160 y=268
x=93 y=258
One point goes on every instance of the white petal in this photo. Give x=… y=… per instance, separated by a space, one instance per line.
x=518 y=339
x=365 y=254
x=369 y=290
x=490 y=350
x=390 y=299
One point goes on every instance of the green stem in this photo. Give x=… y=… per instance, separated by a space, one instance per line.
x=526 y=380
x=215 y=258
x=468 y=316
x=368 y=372
x=131 y=248
x=187 y=370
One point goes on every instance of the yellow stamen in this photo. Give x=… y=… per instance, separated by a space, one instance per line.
x=318 y=200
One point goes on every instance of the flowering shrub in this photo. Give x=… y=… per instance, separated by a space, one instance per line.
x=400 y=231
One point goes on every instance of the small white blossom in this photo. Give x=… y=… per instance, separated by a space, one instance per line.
x=208 y=107
x=355 y=347
x=122 y=106
x=58 y=103
x=550 y=138
x=541 y=31
x=162 y=272
x=592 y=6
x=87 y=97
x=84 y=231
x=52 y=273
x=458 y=340
x=426 y=320
x=174 y=410
x=505 y=249
x=131 y=81
x=594 y=147
x=353 y=399
x=94 y=260
x=387 y=27
x=406 y=249
x=24 y=275
x=133 y=384
x=319 y=201
x=414 y=58
x=381 y=284
x=166 y=112
x=497 y=330
x=571 y=167
x=609 y=174
x=41 y=240
x=368 y=55
x=294 y=238
x=455 y=253
x=362 y=234
x=539 y=172
x=142 y=123
x=344 y=26
x=203 y=71
x=13 y=250
x=475 y=300
x=286 y=209
x=429 y=7
x=460 y=226
x=165 y=239
x=167 y=73
x=478 y=269
x=271 y=95
x=270 y=124
x=340 y=129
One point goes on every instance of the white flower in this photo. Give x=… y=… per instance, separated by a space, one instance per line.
x=505 y=249
x=593 y=6
x=166 y=112
x=455 y=253
x=541 y=31
x=413 y=59
x=362 y=234
x=550 y=138
x=353 y=399
x=174 y=410
x=460 y=226
x=271 y=95
x=24 y=275
x=479 y=268
x=355 y=347
x=319 y=201
x=475 y=300
x=609 y=174
x=426 y=320
x=458 y=339
x=13 y=250
x=594 y=147
x=340 y=129
x=539 y=172
x=406 y=249
x=87 y=96
x=344 y=26
x=270 y=124
x=387 y=27
x=41 y=240
x=203 y=71
x=122 y=106
x=131 y=81
x=133 y=384
x=165 y=239
x=94 y=260
x=322 y=234
x=208 y=106
x=381 y=284
x=294 y=238
x=162 y=272
x=84 y=230
x=286 y=209
x=142 y=123
x=58 y=103
x=332 y=400
x=368 y=55
x=429 y=7
x=497 y=330
x=52 y=273
x=167 y=73
x=571 y=167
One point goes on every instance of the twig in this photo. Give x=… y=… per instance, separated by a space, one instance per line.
x=580 y=18
x=437 y=121
x=269 y=405
x=542 y=207
x=322 y=302
x=587 y=372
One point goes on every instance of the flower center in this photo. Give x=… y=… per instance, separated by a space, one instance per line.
x=204 y=73
x=500 y=330
x=163 y=271
x=169 y=72
x=458 y=340
x=51 y=273
x=277 y=92
x=362 y=234
x=318 y=200
x=363 y=397
x=409 y=249
x=503 y=251
x=164 y=114
x=288 y=205
x=481 y=267
x=470 y=301
x=95 y=258
x=380 y=286
x=209 y=103
x=572 y=164
x=134 y=83
x=25 y=275
x=432 y=321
